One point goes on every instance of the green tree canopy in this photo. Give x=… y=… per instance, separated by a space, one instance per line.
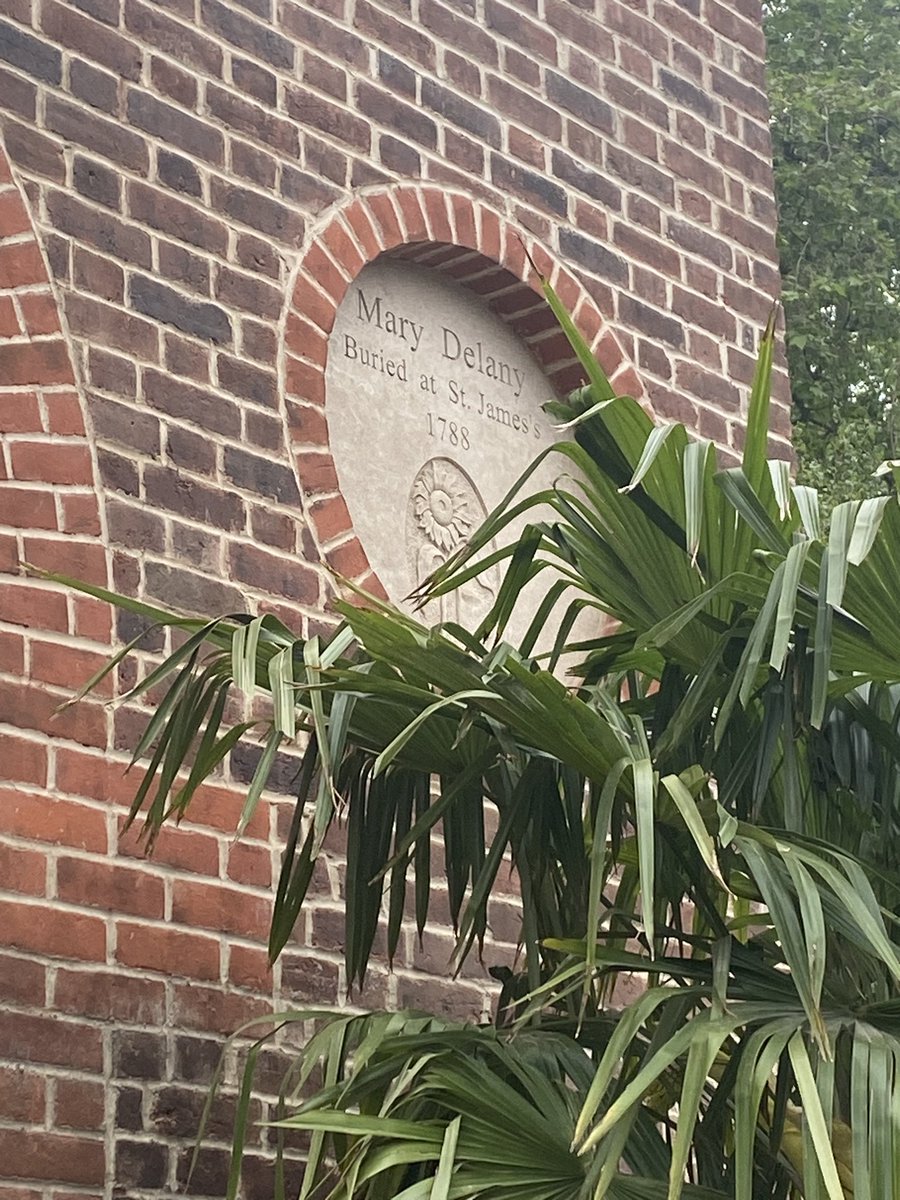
x=834 y=87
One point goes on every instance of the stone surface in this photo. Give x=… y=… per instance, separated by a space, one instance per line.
x=434 y=411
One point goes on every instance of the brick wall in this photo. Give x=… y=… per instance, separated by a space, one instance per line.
x=189 y=187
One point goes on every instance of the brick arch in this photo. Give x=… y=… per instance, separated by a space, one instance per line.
x=463 y=238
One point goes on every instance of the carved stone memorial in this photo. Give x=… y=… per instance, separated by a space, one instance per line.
x=434 y=410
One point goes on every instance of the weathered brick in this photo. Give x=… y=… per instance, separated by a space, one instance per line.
x=585 y=105
x=251 y=36
x=178 y=173
x=108 y=139
x=29 y=54
x=153 y=299
x=458 y=111
x=91 y=39
x=592 y=256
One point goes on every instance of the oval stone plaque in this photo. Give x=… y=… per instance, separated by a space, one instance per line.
x=434 y=410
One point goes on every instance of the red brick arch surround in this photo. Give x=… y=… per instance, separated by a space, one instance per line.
x=467 y=240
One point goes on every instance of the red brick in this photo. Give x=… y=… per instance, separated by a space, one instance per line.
x=52 y=819
x=110 y=997
x=49 y=461
x=79 y=1104
x=331 y=518
x=215 y=1011
x=67 y=666
x=212 y=906
x=28 y=508
x=250 y=864
x=49 y=930
x=24 y=760
x=22 y=982
x=181 y=848
x=113 y=888
x=20 y=413
x=44 y=362
x=249 y=968
x=22 y=1096
x=158 y=948
x=39 y=313
x=64 y=415
x=81 y=515
x=27 y=1155
x=47 y=1039
x=12 y=653
x=23 y=871
x=21 y=264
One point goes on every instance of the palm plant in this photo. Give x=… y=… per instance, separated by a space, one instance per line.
x=711 y=802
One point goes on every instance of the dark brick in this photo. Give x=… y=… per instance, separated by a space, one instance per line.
x=177 y=128
x=396 y=75
x=387 y=110
x=188 y=590
x=140 y=1164
x=118 y=473
x=698 y=241
x=274 y=529
x=193 y=451
x=19 y=95
x=208 y=1175
x=124 y=425
x=258 y=211
x=96 y=182
x=138 y=1055
x=138 y=529
x=178 y=173
x=103 y=10
x=402 y=38
x=248 y=35
x=592 y=183
x=258 y=255
x=464 y=34
x=310 y=109
x=190 y=403
x=255 y=165
x=251 y=294
x=261 y=475
x=203 y=320
x=105 y=232
x=398 y=156
x=196 y=1059
x=183 y=266
x=239 y=114
x=538 y=189
x=31 y=151
x=93 y=86
x=92 y=40
x=324 y=76
x=509 y=22
x=247 y=382
x=186 y=45
x=461 y=112
x=308 y=27
x=173 y=82
x=628 y=95
x=128 y=1109
x=524 y=108
x=593 y=256
x=585 y=105
x=111 y=373
x=654 y=324
x=325 y=160
x=176 y=493
x=108 y=139
x=30 y=55
x=275 y=575
x=310 y=980
x=255 y=80
x=689 y=95
x=640 y=174
x=749 y=98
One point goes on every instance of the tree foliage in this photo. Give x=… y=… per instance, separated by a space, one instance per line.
x=711 y=803
x=834 y=88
